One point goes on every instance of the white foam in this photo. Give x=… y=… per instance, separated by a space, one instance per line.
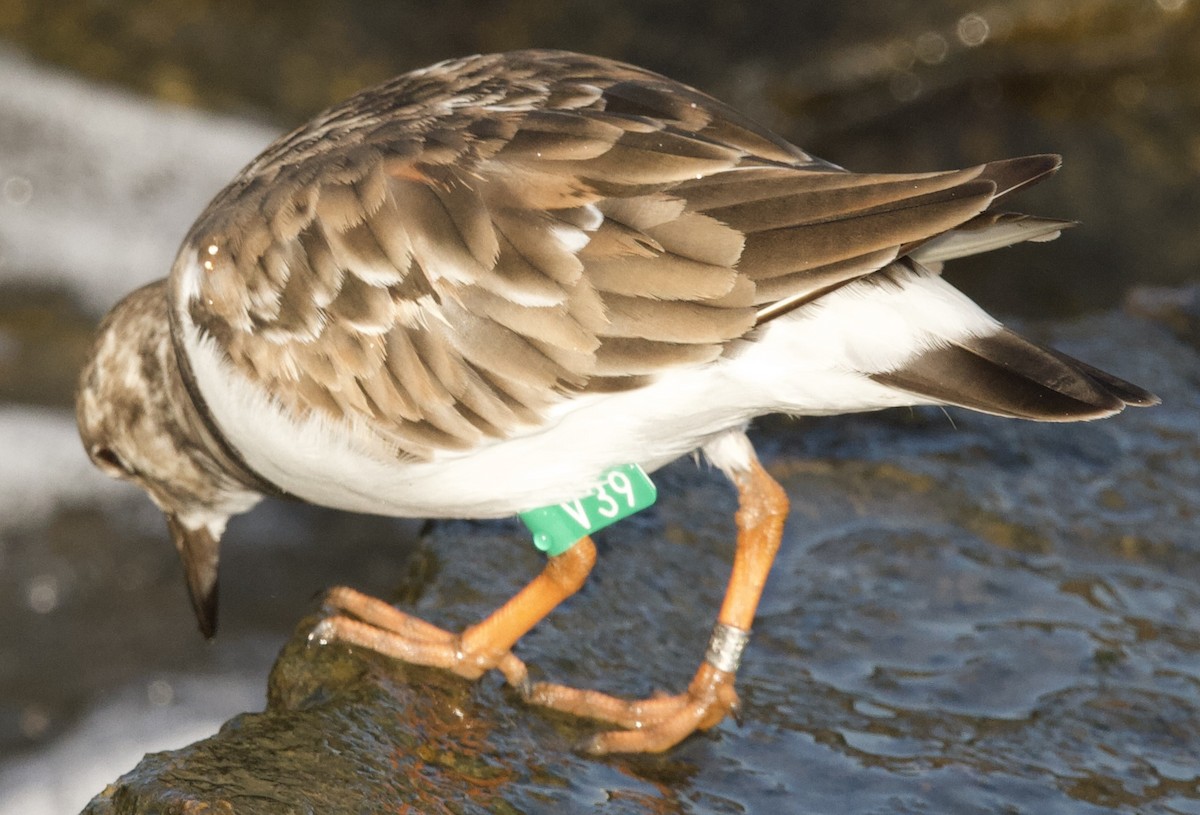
x=98 y=186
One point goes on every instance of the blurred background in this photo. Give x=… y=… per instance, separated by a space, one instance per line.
x=119 y=119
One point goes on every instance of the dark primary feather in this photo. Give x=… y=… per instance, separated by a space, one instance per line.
x=445 y=255
x=1007 y=375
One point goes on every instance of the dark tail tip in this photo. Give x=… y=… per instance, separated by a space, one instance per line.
x=1006 y=375
x=1012 y=174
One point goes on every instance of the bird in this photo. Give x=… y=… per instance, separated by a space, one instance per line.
x=476 y=289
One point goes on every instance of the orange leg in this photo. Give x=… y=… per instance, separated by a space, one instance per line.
x=656 y=724
x=373 y=624
x=650 y=725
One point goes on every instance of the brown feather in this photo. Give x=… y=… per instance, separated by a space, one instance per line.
x=327 y=274
x=362 y=307
x=551 y=324
x=410 y=370
x=525 y=233
x=791 y=249
x=627 y=356
x=824 y=202
x=356 y=248
x=700 y=238
x=467 y=213
x=339 y=207
x=674 y=321
x=662 y=277
x=1007 y=375
x=490 y=346
x=443 y=257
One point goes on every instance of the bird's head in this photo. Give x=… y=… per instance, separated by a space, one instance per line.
x=139 y=424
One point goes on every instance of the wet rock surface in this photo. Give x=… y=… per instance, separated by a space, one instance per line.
x=342 y=732
x=968 y=615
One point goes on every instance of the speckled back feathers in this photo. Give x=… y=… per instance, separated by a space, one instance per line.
x=441 y=258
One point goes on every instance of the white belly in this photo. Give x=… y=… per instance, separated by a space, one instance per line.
x=811 y=362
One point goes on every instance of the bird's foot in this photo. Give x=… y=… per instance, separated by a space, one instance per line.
x=650 y=725
x=367 y=622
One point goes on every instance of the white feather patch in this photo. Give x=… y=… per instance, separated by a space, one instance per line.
x=731 y=452
x=571 y=238
x=815 y=360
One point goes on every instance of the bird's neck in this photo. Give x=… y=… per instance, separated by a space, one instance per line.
x=223 y=459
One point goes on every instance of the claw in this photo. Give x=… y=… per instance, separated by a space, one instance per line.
x=524 y=688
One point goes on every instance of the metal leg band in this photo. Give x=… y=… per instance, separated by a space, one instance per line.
x=725 y=647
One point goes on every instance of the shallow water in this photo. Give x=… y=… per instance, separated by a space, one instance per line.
x=968 y=615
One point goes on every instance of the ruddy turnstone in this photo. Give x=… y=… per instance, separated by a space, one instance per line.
x=477 y=288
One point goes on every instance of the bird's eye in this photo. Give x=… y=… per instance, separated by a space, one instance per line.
x=109 y=461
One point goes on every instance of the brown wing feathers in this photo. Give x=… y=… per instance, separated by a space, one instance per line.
x=820 y=233
x=442 y=278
